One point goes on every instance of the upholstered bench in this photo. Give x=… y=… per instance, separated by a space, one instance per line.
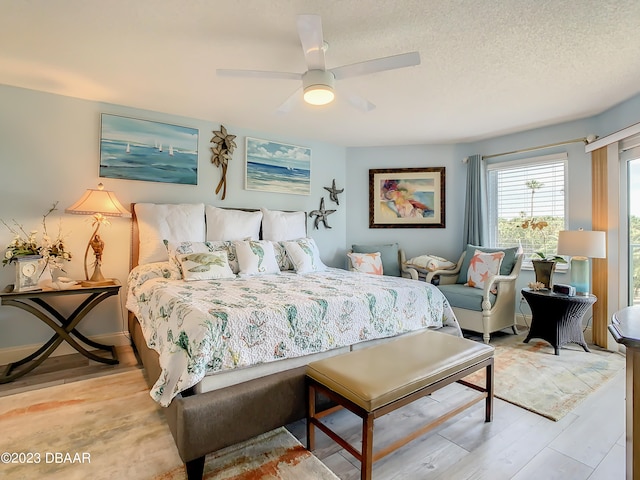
x=374 y=381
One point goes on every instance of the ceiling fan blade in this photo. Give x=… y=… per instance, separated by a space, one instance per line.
x=377 y=65
x=288 y=104
x=310 y=31
x=221 y=72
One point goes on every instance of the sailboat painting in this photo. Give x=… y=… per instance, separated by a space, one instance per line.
x=131 y=149
x=277 y=167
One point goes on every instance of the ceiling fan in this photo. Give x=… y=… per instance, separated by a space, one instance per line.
x=318 y=82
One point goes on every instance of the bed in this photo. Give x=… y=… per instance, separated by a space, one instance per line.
x=228 y=306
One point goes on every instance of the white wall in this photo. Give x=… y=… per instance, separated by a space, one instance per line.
x=49 y=151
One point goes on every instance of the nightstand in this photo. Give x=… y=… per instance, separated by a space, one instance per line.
x=37 y=304
x=557 y=318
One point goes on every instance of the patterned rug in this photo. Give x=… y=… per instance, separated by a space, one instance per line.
x=109 y=427
x=531 y=376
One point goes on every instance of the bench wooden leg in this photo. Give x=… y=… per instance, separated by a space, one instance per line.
x=366 y=465
x=311 y=413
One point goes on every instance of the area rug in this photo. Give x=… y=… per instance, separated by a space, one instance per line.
x=109 y=427
x=531 y=376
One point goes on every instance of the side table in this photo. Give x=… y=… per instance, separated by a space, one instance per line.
x=37 y=303
x=557 y=318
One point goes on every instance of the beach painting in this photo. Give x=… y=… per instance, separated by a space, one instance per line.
x=135 y=149
x=277 y=167
x=407 y=198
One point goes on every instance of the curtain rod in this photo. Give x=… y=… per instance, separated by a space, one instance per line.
x=586 y=140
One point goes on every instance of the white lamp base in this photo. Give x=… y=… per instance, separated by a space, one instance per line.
x=580 y=275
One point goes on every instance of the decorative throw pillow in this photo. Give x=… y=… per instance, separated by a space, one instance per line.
x=230 y=248
x=505 y=269
x=483 y=267
x=256 y=257
x=388 y=253
x=223 y=224
x=366 y=262
x=205 y=266
x=279 y=226
x=430 y=263
x=304 y=255
x=281 y=256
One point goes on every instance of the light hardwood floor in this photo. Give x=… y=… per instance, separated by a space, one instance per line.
x=588 y=443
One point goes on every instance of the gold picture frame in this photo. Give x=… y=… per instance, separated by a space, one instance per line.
x=407 y=198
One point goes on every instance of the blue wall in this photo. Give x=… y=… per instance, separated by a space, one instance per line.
x=49 y=151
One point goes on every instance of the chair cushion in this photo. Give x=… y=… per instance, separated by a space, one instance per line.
x=388 y=254
x=468 y=298
x=507 y=265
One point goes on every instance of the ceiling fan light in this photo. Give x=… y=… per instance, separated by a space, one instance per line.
x=318 y=95
x=318 y=87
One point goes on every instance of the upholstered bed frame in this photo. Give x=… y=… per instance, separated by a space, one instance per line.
x=205 y=422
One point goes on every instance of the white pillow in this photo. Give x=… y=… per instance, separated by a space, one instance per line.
x=158 y=222
x=304 y=255
x=483 y=267
x=366 y=262
x=279 y=226
x=256 y=257
x=232 y=224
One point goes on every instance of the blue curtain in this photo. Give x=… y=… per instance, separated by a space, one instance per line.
x=475 y=209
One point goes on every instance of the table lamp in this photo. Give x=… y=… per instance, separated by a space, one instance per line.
x=100 y=203
x=581 y=245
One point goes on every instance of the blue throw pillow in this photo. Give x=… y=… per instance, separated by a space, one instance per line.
x=388 y=255
x=508 y=261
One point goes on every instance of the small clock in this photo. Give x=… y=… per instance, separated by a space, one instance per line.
x=28 y=272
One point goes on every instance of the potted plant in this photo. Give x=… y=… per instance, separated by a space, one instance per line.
x=544 y=266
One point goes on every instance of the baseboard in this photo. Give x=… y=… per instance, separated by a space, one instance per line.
x=12 y=354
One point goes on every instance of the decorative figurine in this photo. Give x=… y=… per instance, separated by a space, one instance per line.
x=321 y=215
x=222 y=150
x=334 y=192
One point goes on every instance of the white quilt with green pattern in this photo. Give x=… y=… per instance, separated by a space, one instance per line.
x=208 y=326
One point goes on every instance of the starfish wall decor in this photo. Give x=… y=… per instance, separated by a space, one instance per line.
x=321 y=215
x=222 y=150
x=334 y=192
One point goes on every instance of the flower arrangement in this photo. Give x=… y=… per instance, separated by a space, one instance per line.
x=537 y=225
x=53 y=251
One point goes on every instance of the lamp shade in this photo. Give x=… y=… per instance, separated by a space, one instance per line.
x=318 y=86
x=582 y=243
x=99 y=201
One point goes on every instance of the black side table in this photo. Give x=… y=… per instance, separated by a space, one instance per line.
x=36 y=303
x=557 y=318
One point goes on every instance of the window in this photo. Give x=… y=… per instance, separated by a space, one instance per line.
x=526 y=203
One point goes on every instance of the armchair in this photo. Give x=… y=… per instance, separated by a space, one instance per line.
x=479 y=310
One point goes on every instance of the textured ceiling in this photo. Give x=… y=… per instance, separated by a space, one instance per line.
x=488 y=67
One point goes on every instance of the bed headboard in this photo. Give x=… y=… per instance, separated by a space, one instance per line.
x=295 y=222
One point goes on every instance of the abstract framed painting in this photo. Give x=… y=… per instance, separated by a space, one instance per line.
x=277 y=167
x=407 y=198
x=134 y=149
